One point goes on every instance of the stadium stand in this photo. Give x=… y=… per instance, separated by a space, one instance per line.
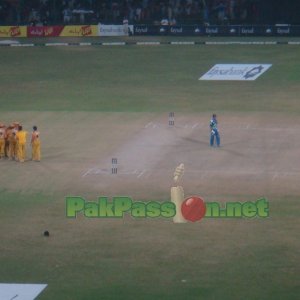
x=217 y=12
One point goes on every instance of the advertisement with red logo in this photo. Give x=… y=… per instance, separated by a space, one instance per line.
x=12 y=31
x=44 y=31
x=84 y=30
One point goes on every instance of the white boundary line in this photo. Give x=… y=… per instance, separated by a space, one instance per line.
x=151 y=43
x=57 y=44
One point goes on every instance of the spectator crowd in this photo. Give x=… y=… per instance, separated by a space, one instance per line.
x=46 y=12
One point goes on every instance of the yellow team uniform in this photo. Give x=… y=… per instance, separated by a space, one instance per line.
x=14 y=145
x=36 y=146
x=2 y=142
x=6 y=147
x=10 y=138
x=21 y=138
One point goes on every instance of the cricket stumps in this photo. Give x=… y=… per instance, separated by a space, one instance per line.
x=114 y=166
x=171 y=119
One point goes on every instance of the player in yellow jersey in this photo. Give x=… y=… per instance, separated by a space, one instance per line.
x=21 y=138
x=14 y=144
x=2 y=140
x=6 y=147
x=9 y=141
x=36 y=144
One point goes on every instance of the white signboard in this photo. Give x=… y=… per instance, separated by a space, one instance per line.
x=235 y=72
x=114 y=30
x=11 y=291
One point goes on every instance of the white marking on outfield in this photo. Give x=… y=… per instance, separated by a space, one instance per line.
x=195 y=125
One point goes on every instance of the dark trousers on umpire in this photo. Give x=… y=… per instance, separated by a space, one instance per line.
x=214 y=134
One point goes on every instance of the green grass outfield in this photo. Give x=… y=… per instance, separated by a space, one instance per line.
x=143 y=259
x=149 y=78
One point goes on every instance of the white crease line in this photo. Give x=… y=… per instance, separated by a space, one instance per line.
x=89 y=171
x=195 y=125
x=141 y=174
x=99 y=171
x=146 y=126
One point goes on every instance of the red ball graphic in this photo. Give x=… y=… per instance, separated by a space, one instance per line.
x=193 y=209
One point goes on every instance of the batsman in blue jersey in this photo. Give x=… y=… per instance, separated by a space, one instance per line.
x=214 y=131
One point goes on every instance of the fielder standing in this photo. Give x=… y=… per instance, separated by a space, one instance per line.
x=36 y=144
x=21 y=138
x=2 y=141
x=14 y=141
x=10 y=140
x=214 y=131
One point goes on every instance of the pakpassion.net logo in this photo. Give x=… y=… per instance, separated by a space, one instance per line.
x=192 y=209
